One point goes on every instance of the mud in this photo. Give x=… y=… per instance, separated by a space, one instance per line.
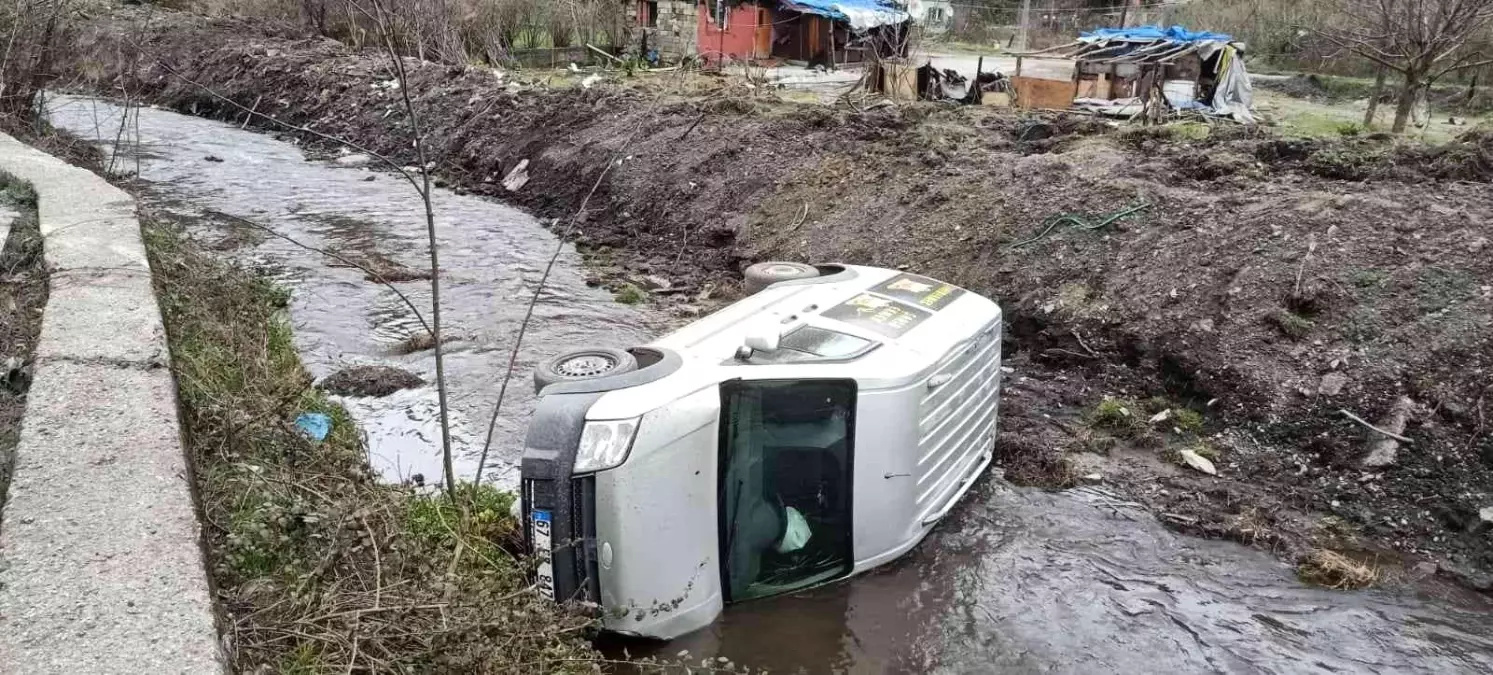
x=370 y=381
x=1377 y=250
x=1022 y=580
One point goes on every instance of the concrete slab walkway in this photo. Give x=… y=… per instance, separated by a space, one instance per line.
x=101 y=566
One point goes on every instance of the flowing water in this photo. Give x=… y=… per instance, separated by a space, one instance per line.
x=1017 y=580
x=492 y=257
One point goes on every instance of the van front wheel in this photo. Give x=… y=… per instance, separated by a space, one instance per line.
x=764 y=274
x=583 y=364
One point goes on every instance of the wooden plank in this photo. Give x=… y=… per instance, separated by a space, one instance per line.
x=1033 y=92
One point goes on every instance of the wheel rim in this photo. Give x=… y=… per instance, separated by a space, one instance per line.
x=586 y=365
x=781 y=270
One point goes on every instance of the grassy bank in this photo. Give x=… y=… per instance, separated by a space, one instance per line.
x=319 y=567
x=23 y=294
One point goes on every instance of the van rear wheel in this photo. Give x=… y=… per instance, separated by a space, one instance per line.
x=583 y=364
x=764 y=274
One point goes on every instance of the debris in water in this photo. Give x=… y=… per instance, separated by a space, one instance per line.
x=213 y=158
x=370 y=381
x=316 y=426
x=1335 y=570
x=591 y=80
x=355 y=159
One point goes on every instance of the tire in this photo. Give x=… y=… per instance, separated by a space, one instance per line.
x=583 y=364
x=764 y=274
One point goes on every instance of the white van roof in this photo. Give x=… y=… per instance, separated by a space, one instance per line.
x=909 y=322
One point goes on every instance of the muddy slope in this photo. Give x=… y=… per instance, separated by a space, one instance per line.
x=1266 y=284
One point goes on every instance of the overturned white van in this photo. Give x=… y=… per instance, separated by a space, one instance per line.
x=811 y=431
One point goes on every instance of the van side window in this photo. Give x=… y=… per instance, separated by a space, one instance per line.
x=784 y=488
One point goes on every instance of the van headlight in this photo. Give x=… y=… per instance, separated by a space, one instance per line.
x=604 y=444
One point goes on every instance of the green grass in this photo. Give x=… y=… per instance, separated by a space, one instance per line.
x=630 y=294
x=1368 y=278
x=1187 y=420
x=305 y=545
x=1290 y=325
x=1119 y=416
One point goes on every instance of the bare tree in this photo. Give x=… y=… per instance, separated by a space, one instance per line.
x=1422 y=40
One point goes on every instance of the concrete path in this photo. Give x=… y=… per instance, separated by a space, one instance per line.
x=101 y=566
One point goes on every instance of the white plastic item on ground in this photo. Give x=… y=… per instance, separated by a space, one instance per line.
x=1199 y=462
x=1179 y=93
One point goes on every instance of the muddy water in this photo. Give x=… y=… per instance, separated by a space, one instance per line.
x=1016 y=580
x=492 y=256
x=1021 y=580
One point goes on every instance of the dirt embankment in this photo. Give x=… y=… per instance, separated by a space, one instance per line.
x=1267 y=285
x=23 y=294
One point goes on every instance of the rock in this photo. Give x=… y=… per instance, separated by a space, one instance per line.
x=653 y=282
x=1382 y=449
x=1161 y=416
x=1199 y=462
x=591 y=80
x=1094 y=478
x=517 y=177
x=355 y=159
x=370 y=381
x=1332 y=384
x=1484 y=522
x=213 y=158
x=1477 y=245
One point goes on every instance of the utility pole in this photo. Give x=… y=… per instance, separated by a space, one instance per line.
x=1124 y=12
x=1026 y=24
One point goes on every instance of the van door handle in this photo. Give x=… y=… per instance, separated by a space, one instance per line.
x=939 y=380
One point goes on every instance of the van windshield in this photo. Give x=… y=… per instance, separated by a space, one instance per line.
x=784 y=488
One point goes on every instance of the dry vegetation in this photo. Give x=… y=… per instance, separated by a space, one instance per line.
x=453 y=31
x=1335 y=570
x=318 y=566
x=23 y=293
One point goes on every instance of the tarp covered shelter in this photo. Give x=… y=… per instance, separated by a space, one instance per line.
x=1146 y=67
x=862 y=15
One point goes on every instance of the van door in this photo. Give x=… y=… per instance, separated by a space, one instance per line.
x=784 y=491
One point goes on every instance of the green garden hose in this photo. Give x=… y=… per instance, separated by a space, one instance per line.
x=1078 y=222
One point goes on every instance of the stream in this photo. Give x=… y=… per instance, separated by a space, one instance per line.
x=492 y=257
x=1016 y=580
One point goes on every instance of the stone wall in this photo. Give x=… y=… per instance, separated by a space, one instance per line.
x=674 y=35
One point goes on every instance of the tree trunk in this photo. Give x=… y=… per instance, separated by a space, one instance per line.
x=1368 y=117
x=1409 y=92
x=1472 y=87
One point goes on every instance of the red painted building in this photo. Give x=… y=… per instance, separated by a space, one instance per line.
x=742 y=32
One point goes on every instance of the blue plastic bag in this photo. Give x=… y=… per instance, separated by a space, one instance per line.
x=316 y=426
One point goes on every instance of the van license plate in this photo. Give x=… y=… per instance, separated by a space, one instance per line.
x=544 y=579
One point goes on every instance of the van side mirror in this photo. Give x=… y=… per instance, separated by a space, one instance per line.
x=763 y=340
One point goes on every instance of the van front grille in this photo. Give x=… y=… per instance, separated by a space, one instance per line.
x=957 y=418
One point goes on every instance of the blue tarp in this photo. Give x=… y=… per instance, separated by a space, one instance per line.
x=1153 y=33
x=860 y=14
